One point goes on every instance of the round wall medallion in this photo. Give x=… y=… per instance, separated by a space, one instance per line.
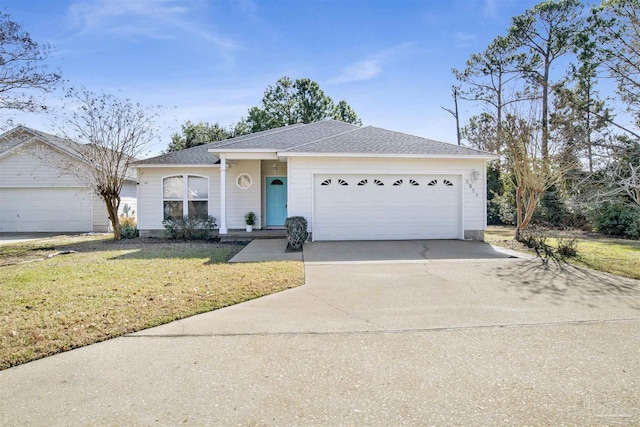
x=244 y=181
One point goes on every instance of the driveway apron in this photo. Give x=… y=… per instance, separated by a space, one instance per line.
x=382 y=333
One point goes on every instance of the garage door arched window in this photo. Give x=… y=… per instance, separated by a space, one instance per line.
x=185 y=195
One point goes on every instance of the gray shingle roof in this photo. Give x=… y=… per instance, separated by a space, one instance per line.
x=327 y=136
x=373 y=140
x=290 y=137
x=20 y=134
x=200 y=155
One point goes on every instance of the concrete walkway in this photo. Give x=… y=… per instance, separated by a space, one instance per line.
x=464 y=340
x=260 y=250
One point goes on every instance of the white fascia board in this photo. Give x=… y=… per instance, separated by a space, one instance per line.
x=185 y=165
x=486 y=157
x=14 y=148
x=242 y=150
x=247 y=154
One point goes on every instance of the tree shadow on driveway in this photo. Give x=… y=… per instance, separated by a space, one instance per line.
x=561 y=280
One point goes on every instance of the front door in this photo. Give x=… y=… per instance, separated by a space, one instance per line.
x=276 y=201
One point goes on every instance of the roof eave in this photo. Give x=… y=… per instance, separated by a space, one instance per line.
x=486 y=157
x=176 y=165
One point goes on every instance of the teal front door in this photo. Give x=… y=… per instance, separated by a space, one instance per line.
x=276 y=201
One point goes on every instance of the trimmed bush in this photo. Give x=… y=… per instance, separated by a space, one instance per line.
x=296 y=227
x=618 y=219
x=128 y=227
x=190 y=228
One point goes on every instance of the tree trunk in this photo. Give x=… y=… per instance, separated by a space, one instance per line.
x=455 y=102
x=518 y=235
x=113 y=203
x=545 y=114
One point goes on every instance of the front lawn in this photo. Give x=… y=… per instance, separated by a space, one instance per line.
x=602 y=253
x=106 y=289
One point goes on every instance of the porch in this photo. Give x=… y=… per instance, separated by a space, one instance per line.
x=238 y=235
x=257 y=185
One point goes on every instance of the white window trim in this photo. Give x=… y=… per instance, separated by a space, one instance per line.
x=185 y=192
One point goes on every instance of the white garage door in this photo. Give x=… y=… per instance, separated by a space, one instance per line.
x=45 y=209
x=387 y=207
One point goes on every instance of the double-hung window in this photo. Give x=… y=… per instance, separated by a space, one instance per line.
x=185 y=195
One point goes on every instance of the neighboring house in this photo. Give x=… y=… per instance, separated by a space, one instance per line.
x=349 y=182
x=36 y=195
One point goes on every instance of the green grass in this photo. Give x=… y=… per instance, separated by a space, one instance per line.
x=107 y=289
x=602 y=253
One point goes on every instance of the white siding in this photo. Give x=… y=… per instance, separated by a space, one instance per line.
x=128 y=207
x=34 y=166
x=240 y=201
x=302 y=170
x=150 y=206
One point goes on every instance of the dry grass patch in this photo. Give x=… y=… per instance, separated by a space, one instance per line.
x=107 y=289
x=602 y=253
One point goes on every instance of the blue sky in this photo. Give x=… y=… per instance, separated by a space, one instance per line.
x=212 y=60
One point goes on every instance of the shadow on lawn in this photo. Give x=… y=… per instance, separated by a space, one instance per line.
x=560 y=280
x=143 y=249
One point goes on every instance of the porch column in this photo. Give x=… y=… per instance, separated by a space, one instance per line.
x=223 y=196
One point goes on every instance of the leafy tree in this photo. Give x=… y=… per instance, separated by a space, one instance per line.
x=482 y=132
x=494 y=79
x=344 y=113
x=547 y=32
x=616 y=25
x=312 y=104
x=289 y=102
x=115 y=131
x=21 y=67
x=194 y=134
x=580 y=118
x=240 y=128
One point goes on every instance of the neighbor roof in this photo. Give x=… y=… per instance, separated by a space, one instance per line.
x=327 y=136
x=12 y=139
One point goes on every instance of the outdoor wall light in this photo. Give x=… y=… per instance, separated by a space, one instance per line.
x=475 y=175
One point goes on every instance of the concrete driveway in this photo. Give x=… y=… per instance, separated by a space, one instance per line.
x=467 y=337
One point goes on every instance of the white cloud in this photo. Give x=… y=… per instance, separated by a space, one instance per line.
x=465 y=37
x=358 y=71
x=491 y=8
x=160 y=19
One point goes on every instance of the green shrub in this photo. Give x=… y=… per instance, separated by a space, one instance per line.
x=128 y=227
x=296 y=227
x=190 y=228
x=567 y=248
x=617 y=219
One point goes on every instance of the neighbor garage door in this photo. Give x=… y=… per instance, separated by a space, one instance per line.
x=45 y=209
x=387 y=207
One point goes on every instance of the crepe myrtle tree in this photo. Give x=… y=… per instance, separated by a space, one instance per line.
x=532 y=169
x=112 y=132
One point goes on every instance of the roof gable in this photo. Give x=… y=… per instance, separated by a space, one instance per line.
x=19 y=136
